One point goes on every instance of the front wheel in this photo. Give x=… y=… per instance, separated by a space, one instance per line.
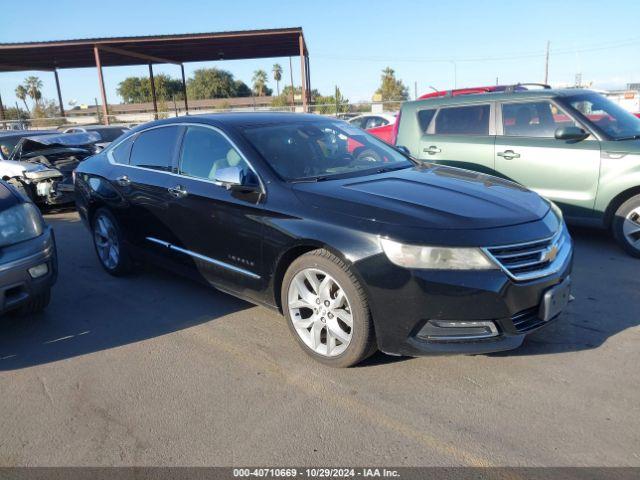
x=626 y=226
x=112 y=251
x=327 y=310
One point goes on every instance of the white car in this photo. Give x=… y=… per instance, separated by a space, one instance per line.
x=373 y=120
x=107 y=133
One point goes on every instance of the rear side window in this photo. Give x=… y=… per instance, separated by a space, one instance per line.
x=424 y=119
x=155 y=148
x=121 y=153
x=470 y=120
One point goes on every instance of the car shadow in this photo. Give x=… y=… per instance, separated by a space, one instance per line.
x=91 y=311
x=606 y=287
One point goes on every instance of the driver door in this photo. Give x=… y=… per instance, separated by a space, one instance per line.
x=527 y=152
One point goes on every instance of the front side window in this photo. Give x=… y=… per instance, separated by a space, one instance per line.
x=205 y=151
x=373 y=122
x=322 y=149
x=469 y=120
x=605 y=115
x=155 y=148
x=533 y=119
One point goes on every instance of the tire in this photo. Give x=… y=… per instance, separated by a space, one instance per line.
x=35 y=304
x=626 y=226
x=323 y=331
x=113 y=252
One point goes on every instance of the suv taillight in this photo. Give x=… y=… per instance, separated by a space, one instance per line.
x=394 y=131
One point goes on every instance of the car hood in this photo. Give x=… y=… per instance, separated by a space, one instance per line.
x=429 y=196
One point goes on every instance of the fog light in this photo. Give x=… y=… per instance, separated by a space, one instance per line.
x=445 y=330
x=39 y=270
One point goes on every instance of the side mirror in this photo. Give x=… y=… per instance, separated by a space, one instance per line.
x=403 y=149
x=233 y=178
x=571 y=133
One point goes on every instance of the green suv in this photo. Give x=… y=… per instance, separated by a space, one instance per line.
x=573 y=146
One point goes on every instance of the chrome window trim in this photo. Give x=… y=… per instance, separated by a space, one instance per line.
x=179 y=175
x=204 y=258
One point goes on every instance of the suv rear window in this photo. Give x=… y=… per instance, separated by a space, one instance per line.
x=469 y=120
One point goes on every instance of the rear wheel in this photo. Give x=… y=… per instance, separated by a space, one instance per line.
x=327 y=310
x=626 y=226
x=112 y=251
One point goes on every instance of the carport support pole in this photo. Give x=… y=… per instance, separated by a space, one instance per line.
x=4 y=125
x=55 y=73
x=103 y=93
x=303 y=74
x=184 y=90
x=153 y=92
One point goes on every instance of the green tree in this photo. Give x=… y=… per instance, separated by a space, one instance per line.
x=33 y=85
x=138 y=89
x=277 y=75
x=215 y=83
x=21 y=94
x=259 y=82
x=391 y=89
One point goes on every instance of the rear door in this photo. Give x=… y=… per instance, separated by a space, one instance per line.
x=527 y=152
x=143 y=184
x=461 y=136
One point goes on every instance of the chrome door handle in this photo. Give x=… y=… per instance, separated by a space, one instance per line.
x=178 y=191
x=508 y=154
x=432 y=150
x=123 y=181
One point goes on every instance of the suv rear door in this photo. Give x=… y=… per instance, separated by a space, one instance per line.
x=527 y=152
x=461 y=136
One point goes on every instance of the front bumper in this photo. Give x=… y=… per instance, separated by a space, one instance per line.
x=17 y=285
x=403 y=301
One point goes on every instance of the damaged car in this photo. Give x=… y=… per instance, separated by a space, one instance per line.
x=41 y=166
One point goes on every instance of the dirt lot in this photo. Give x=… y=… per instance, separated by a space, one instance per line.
x=156 y=370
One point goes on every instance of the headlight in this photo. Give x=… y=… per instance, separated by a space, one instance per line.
x=19 y=223
x=436 y=258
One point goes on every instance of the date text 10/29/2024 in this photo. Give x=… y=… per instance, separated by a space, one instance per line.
x=315 y=472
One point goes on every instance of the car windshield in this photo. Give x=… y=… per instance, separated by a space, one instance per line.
x=305 y=150
x=608 y=117
x=7 y=145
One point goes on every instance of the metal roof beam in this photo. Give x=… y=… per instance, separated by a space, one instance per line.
x=141 y=56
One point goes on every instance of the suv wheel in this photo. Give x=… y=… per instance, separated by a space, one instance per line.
x=327 y=310
x=626 y=226
x=112 y=251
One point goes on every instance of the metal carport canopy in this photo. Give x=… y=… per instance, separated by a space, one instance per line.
x=155 y=49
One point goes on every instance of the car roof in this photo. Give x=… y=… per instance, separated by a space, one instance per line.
x=25 y=133
x=499 y=96
x=241 y=119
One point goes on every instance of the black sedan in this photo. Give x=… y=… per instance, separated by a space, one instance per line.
x=357 y=245
x=28 y=259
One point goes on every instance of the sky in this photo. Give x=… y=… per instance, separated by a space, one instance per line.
x=430 y=44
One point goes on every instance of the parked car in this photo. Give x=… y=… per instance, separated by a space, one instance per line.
x=378 y=124
x=359 y=248
x=28 y=264
x=107 y=133
x=572 y=146
x=41 y=166
x=10 y=138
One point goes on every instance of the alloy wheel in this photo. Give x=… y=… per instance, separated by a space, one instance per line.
x=320 y=312
x=106 y=240
x=631 y=228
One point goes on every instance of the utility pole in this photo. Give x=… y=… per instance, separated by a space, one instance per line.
x=336 y=94
x=546 y=64
x=415 y=90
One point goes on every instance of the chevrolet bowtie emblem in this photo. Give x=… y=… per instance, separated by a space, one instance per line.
x=551 y=254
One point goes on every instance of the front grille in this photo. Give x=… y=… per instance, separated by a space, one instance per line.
x=527 y=320
x=526 y=261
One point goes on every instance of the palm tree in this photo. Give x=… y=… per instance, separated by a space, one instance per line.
x=259 y=82
x=21 y=94
x=33 y=86
x=277 y=76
